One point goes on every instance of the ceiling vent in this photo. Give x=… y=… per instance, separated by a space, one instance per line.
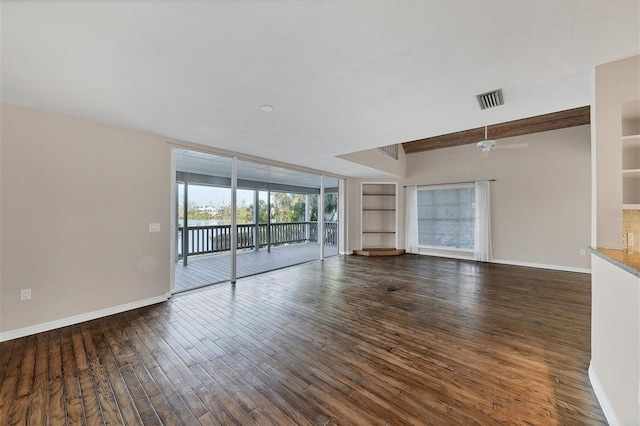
x=490 y=99
x=389 y=150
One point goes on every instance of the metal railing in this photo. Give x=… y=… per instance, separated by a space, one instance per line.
x=217 y=238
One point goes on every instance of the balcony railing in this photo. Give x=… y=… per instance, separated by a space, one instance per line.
x=217 y=238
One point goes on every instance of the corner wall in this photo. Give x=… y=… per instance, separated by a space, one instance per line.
x=77 y=198
x=615 y=312
x=379 y=161
x=615 y=83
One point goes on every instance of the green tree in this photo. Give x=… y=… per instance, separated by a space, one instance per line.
x=287 y=207
x=244 y=212
x=330 y=207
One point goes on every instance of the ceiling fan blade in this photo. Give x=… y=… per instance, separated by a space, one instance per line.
x=513 y=145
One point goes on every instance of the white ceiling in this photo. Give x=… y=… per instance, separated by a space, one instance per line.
x=214 y=165
x=342 y=76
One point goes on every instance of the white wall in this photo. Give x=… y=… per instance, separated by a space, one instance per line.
x=615 y=341
x=77 y=198
x=540 y=200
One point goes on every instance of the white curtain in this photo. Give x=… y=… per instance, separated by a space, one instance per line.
x=482 y=250
x=411 y=220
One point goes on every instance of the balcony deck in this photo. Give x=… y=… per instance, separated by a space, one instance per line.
x=215 y=268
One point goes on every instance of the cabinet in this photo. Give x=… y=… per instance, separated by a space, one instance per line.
x=631 y=156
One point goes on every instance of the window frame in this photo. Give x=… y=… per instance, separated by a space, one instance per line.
x=445 y=187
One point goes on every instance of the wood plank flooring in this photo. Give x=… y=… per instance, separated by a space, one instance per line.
x=352 y=340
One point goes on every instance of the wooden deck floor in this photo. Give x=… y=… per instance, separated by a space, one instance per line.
x=215 y=268
x=352 y=340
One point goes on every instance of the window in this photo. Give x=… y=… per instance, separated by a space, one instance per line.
x=446 y=217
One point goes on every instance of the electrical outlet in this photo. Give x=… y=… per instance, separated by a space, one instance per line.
x=583 y=252
x=154 y=227
x=25 y=294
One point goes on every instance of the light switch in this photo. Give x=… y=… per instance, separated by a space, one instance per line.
x=154 y=227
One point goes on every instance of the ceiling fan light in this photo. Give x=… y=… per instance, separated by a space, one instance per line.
x=486 y=145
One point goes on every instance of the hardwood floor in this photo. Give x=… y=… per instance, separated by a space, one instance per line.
x=353 y=340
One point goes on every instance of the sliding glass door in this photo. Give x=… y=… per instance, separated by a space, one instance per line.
x=203 y=220
x=280 y=219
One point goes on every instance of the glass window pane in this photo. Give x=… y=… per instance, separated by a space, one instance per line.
x=446 y=218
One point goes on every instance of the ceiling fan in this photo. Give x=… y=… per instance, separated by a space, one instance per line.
x=487 y=145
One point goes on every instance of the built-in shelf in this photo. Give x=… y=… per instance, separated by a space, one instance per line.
x=379 y=221
x=630 y=142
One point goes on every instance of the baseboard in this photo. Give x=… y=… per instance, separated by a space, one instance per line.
x=542 y=266
x=607 y=409
x=445 y=255
x=345 y=252
x=76 y=319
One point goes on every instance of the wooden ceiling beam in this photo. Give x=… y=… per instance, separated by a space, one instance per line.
x=540 y=123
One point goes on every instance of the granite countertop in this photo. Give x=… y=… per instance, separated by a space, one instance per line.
x=626 y=259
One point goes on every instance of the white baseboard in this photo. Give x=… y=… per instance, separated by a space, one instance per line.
x=345 y=252
x=510 y=262
x=542 y=266
x=446 y=254
x=52 y=325
x=602 y=397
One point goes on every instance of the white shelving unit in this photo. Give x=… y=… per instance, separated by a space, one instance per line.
x=631 y=165
x=379 y=224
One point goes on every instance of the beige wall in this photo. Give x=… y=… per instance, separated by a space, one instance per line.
x=615 y=83
x=77 y=198
x=540 y=200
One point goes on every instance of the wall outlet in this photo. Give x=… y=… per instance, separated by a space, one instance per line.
x=154 y=227
x=583 y=252
x=25 y=294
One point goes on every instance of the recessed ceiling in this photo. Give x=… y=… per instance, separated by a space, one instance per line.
x=341 y=76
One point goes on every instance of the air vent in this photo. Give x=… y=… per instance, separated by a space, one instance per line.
x=490 y=99
x=389 y=150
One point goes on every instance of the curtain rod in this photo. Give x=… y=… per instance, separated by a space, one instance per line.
x=451 y=183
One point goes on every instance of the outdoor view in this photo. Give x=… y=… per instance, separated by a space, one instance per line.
x=212 y=206
x=276 y=228
x=294 y=219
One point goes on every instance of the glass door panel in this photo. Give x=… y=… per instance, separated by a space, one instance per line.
x=204 y=199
